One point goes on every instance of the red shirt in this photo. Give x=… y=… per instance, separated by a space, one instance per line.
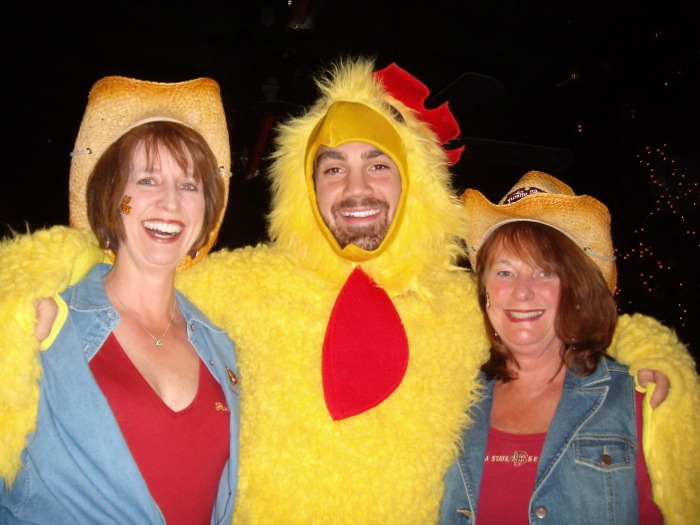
x=510 y=468
x=181 y=455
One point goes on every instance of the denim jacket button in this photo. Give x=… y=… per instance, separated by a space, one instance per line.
x=192 y=326
x=541 y=512
x=606 y=460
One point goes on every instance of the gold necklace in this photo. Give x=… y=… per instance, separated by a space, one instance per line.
x=158 y=341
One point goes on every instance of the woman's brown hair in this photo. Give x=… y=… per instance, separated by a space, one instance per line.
x=587 y=312
x=108 y=179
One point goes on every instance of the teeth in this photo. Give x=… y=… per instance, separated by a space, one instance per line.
x=525 y=315
x=163 y=228
x=359 y=214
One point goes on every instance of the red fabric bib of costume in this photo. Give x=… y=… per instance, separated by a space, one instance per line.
x=365 y=351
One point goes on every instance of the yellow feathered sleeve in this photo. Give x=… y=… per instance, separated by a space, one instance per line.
x=32 y=266
x=672 y=433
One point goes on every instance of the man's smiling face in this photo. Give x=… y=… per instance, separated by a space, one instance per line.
x=358 y=188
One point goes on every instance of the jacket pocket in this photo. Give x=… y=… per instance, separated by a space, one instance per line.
x=605 y=453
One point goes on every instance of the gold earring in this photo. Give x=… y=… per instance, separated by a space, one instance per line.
x=488 y=301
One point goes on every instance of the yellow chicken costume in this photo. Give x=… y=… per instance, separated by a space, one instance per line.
x=309 y=453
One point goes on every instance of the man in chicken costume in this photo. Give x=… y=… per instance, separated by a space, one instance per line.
x=358 y=364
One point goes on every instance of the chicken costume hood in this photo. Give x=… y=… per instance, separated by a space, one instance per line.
x=356 y=107
x=309 y=452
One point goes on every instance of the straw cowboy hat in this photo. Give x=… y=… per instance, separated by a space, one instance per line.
x=118 y=104
x=539 y=197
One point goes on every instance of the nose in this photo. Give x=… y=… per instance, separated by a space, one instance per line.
x=523 y=289
x=169 y=197
x=357 y=184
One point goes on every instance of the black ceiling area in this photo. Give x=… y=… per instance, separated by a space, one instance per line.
x=604 y=95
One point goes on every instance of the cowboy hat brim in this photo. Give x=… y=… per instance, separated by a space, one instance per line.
x=582 y=218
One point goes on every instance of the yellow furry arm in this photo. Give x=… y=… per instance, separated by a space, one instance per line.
x=31 y=266
x=46 y=261
x=672 y=440
x=643 y=342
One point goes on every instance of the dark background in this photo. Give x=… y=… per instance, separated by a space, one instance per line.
x=604 y=95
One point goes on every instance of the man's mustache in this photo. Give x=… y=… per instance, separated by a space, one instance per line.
x=365 y=202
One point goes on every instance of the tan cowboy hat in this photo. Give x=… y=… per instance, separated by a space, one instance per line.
x=539 y=197
x=117 y=104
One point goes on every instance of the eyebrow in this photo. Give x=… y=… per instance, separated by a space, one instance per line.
x=339 y=155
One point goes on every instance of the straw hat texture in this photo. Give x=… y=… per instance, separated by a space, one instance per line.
x=117 y=104
x=539 y=197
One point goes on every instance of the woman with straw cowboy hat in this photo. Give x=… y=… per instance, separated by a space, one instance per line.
x=138 y=412
x=557 y=437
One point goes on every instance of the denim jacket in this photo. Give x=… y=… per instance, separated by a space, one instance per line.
x=77 y=468
x=575 y=484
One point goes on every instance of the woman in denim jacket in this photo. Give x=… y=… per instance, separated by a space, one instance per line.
x=556 y=437
x=138 y=400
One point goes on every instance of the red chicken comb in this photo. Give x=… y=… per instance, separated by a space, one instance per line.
x=410 y=91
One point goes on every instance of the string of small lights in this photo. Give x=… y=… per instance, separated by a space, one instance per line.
x=665 y=245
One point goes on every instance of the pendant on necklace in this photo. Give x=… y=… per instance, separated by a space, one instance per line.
x=159 y=342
